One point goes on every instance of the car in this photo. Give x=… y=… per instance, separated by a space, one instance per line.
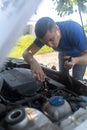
x=27 y=103
x=58 y=103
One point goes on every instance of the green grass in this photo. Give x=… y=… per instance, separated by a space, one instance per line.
x=23 y=42
x=86 y=72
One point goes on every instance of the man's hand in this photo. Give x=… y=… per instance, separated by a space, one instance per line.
x=68 y=64
x=35 y=66
x=36 y=69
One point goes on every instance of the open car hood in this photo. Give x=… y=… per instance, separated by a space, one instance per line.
x=14 y=17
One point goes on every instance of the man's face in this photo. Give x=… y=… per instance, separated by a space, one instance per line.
x=52 y=38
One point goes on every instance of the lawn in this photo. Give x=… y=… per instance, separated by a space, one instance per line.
x=23 y=42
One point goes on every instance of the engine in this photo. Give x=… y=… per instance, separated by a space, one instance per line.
x=26 y=103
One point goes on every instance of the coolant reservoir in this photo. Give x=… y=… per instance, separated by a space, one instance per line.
x=28 y=119
x=57 y=108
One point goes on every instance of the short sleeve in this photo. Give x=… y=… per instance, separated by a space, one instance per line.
x=79 y=38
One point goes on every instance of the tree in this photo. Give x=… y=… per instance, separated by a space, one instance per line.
x=66 y=7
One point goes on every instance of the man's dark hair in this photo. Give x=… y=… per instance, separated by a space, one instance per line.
x=43 y=25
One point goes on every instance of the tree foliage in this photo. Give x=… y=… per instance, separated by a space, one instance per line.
x=66 y=7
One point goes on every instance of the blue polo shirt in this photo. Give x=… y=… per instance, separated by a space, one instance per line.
x=73 y=42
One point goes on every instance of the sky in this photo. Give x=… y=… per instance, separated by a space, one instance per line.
x=47 y=8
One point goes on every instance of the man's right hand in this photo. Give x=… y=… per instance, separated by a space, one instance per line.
x=35 y=66
x=36 y=69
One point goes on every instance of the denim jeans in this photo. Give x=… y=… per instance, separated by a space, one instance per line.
x=78 y=70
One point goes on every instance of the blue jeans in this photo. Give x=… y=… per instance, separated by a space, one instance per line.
x=78 y=70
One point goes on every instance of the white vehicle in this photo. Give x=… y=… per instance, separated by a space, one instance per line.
x=26 y=103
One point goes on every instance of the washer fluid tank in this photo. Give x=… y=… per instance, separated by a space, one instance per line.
x=57 y=108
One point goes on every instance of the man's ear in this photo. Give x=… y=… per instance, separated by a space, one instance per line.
x=58 y=32
x=57 y=28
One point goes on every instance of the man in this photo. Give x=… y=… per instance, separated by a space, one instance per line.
x=67 y=37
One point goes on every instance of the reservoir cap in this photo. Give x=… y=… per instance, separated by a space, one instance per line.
x=56 y=100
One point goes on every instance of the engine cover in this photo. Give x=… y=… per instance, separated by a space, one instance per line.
x=20 y=79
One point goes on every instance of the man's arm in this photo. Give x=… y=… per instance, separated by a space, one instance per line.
x=81 y=59
x=76 y=60
x=28 y=56
x=29 y=52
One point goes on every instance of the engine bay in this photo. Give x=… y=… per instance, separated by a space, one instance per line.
x=27 y=103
